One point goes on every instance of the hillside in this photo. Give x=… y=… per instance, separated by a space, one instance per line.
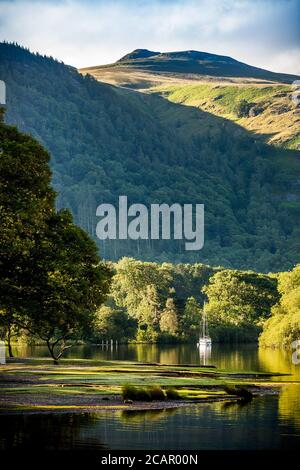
x=107 y=141
x=270 y=112
x=215 y=84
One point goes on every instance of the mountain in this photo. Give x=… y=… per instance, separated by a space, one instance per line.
x=184 y=64
x=138 y=54
x=107 y=141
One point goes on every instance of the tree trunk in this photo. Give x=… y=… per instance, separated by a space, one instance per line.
x=62 y=349
x=10 y=352
x=51 y=351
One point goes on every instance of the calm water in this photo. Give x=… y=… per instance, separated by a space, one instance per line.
x=265 y=423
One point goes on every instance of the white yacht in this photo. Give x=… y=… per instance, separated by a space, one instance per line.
x=204 y=338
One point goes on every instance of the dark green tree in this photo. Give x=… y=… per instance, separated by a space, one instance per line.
x=51 y=278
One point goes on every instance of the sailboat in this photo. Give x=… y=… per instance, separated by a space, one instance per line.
x=204 y=338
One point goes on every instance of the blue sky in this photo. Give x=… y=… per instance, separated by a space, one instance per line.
x=265 y=33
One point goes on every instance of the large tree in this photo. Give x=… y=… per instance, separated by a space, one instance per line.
x=72 y=283
x=26 y=202
x=283 y=327
x=51 y=278
x=168 y=321
x=239 y=303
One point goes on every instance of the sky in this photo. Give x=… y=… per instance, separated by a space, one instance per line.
x=264 y=33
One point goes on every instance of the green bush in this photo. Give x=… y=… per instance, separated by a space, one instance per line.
x=172 y=394
x=130 y=392
x=157 y=393
x=238 y=391
x=242 y=108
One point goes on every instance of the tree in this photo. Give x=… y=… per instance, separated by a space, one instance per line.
x=190 y=320
x=51 y=278
x=283 y=327
x=110 y=323
x=168 y=322
x=26 y=201
x=239 y=302
x=72 y=284
x=149 y=316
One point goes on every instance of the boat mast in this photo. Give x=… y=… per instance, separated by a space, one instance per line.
x=204 y=322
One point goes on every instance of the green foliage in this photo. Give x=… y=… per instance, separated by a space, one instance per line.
x=156 y=393
x=283 y=327
x=143 y=289
x=26 y=203
x=130 y=392
x=172 y=394
x=239 y=303
x=168 y=322
x=190 y=319
x=242 y=108
x=51 y=278
x=106 y=141
x=112 y=323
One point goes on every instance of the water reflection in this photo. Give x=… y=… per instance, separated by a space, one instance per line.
x=258 y=425
x=265 y=423
x=234 y=357
x=47 y=431
x=205 y=355
x=146 y=416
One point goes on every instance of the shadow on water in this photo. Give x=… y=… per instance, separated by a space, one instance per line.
x=46 y=431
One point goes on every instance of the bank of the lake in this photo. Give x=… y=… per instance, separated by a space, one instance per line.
x=269 y=421
x=38 y=385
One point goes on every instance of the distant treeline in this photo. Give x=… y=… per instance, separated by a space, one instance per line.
x=154 y=302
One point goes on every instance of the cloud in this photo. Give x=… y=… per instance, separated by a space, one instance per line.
x=265 y=33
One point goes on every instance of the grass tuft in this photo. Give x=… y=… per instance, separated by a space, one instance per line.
x=172 y=394
x=157 y=393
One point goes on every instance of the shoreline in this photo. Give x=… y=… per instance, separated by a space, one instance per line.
x=35 y=386
x=119 y=405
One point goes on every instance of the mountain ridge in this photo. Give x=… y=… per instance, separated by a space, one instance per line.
x=193 y=62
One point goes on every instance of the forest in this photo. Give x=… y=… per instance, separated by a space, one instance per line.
x=107 y=141
x=151 y=302
x=55 y=288
x=87 y=143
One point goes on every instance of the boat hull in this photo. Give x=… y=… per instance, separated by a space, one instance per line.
x=204 y=343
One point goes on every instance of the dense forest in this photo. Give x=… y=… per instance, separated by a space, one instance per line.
x=107 y=141
x=153 y=302
x=54 y=287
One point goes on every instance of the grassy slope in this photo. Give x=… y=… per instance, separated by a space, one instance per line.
x=278 y=123
x=82 y=384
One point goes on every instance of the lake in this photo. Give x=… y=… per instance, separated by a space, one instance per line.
x=271 y=422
